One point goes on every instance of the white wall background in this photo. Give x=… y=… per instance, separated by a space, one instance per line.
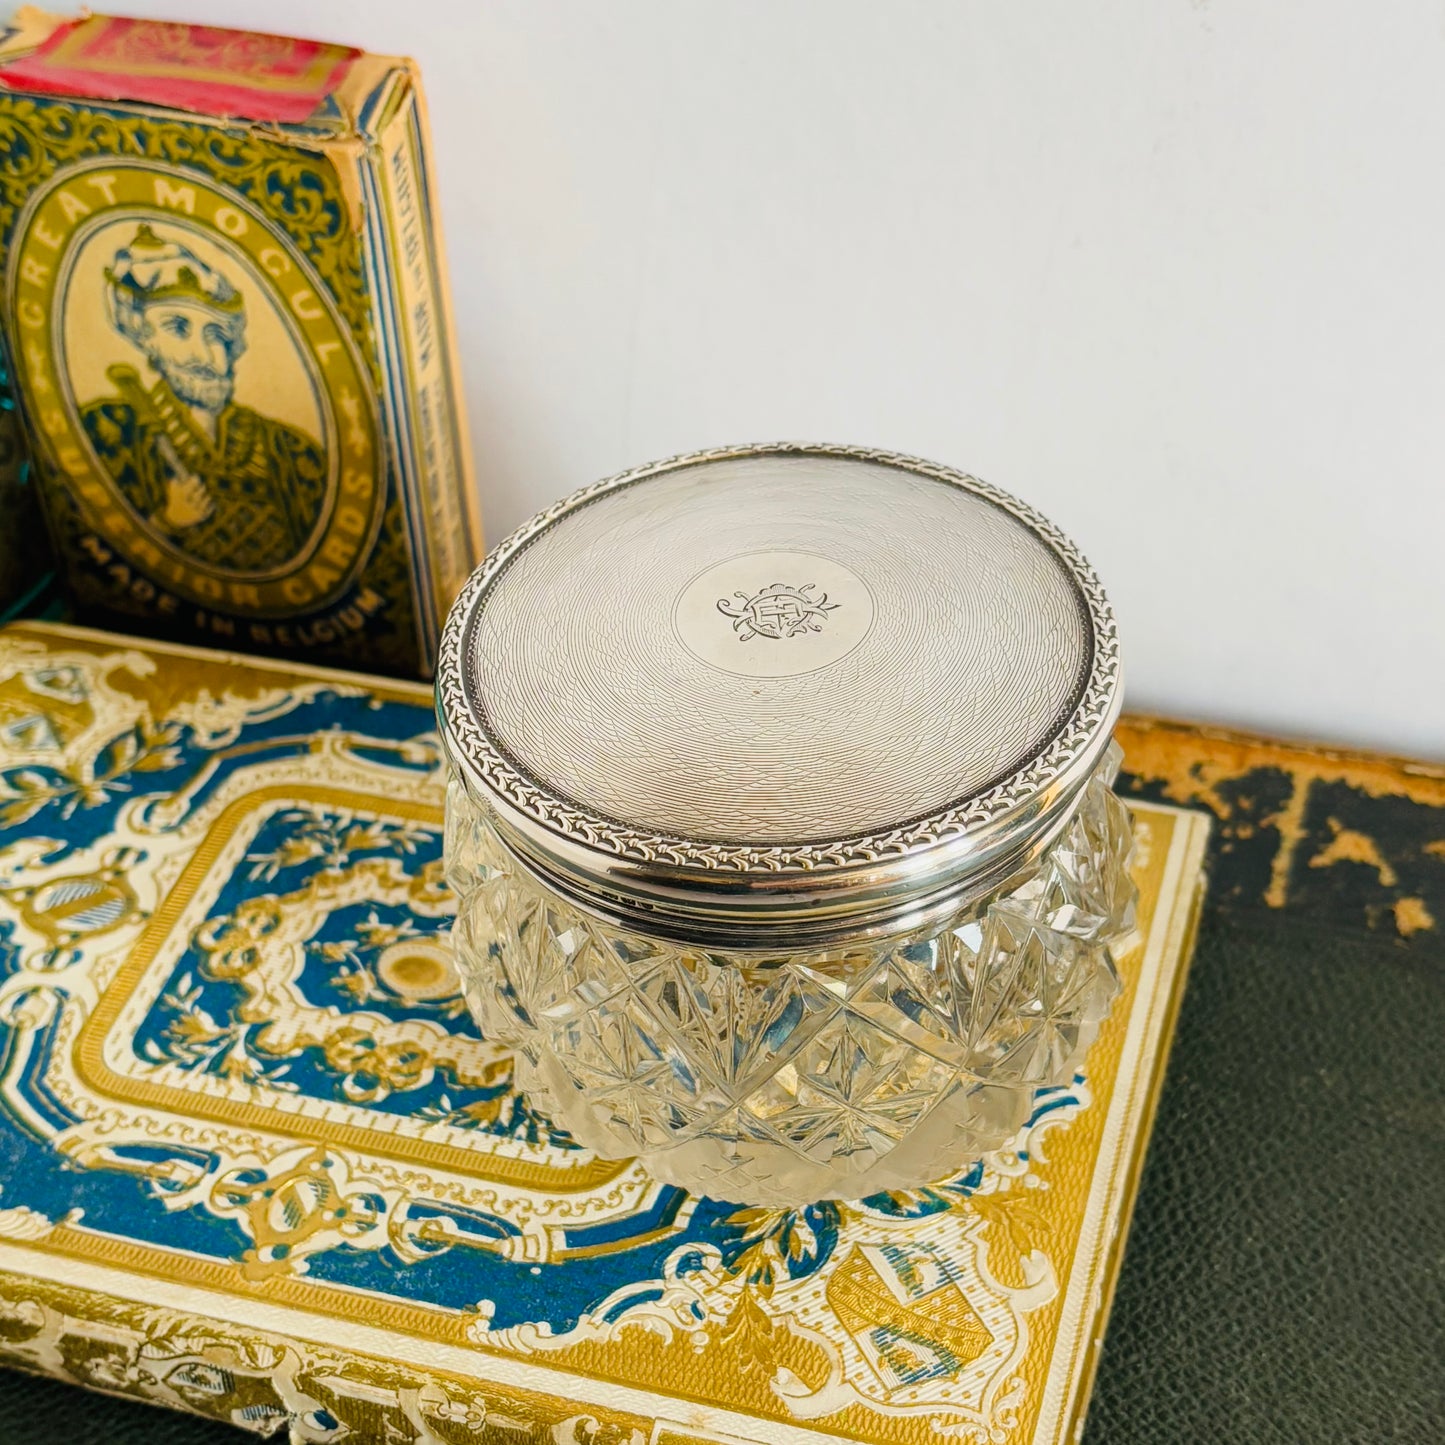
x=1172 y=270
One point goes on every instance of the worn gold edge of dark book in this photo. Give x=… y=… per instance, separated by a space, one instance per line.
x=1193 y=905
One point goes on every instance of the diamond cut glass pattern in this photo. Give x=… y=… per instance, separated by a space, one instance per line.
x=783 y=1079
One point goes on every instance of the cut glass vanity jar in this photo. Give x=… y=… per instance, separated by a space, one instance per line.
x=779 y=816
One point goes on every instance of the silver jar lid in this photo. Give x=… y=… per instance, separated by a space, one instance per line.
x=780 y=696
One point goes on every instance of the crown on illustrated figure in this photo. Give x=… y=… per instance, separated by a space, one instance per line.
x=150 y=269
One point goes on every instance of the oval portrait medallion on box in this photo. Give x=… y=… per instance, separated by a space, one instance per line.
x=196 y=387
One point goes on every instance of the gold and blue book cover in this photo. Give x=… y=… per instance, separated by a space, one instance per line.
x=226 y=321
x=257 y=1162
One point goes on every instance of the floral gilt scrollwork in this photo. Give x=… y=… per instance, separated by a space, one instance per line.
x=146 y=748
x=256 y=1006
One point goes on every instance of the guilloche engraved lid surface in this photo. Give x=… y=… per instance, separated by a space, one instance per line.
x=770 y=695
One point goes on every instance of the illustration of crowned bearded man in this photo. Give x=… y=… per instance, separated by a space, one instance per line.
x=227 y=485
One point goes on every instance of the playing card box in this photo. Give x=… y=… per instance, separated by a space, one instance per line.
x=225 y=309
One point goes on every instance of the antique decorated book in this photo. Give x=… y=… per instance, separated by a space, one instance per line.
x=225 y=315
x=257 y=1163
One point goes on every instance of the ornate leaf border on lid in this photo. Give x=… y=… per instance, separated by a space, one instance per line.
x=1085 y=730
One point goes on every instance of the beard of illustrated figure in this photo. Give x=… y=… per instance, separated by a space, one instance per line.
x=195 y=354
x=228 y=486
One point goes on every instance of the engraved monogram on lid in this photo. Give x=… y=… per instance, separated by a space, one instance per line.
x=746 y=615
x=777 y=611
